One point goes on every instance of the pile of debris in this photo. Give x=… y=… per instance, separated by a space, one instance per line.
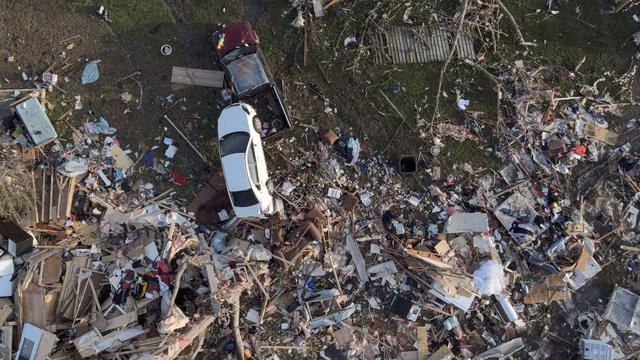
x=362 y=262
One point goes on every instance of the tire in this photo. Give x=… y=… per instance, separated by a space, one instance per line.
x=277 y=123
x=257 y=124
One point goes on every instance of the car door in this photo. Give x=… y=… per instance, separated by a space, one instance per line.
x=252 y=167
x=261 y=165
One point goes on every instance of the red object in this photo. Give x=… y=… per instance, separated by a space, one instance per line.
x=178 y=178
x=163 y=272
x=235 y=35
x=580 y=150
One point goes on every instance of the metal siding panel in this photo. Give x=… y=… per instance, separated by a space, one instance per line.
x=392 y=45
x=440 y=45
x=377 y=37
x=409 y=46
x=423 y=48
x=384 y=40
x=419 y=46
x=415 y=45
x=434 y=45
x=402 y=48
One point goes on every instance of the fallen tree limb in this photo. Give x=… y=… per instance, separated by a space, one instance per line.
x=236 y=329
x=446 y=63
x=499 y=91
x=515 y=25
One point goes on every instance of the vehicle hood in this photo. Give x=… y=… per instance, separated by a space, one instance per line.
x=234 y=35
x=235 y=172
x=232 y=119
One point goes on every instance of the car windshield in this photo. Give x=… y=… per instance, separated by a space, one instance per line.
x=243 y=198
x=234 y=143
x=247 y=73
x=237 y=52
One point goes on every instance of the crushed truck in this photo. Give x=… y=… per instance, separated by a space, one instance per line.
x=248 y=79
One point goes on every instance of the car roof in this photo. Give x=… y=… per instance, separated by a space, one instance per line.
x=234 y=167
x=235 y=35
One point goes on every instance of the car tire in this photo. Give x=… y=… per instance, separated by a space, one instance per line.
x=257 y=124
x=277 y=123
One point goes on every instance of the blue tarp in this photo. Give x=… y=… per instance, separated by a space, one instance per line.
x=90 y=74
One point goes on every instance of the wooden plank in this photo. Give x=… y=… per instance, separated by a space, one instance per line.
x=33 y=305
x=92 y=343
x=5 y=311
x=7 y=334
x=423 y=342
x=50 y=305
x=212 y=280
x=199 y=77
x=51 y=269
x=67 y=294
x=83 y=300
x=104 y=325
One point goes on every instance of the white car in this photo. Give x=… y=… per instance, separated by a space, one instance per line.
x=243 y=162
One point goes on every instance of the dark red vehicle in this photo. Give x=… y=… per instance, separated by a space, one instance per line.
x=248 y=78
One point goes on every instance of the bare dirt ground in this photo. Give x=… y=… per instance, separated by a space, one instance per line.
x=139 y=28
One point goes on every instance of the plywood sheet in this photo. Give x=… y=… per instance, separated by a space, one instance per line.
x=199 y=77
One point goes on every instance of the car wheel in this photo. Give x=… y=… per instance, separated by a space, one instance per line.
x=257 y=124
x=277 y=123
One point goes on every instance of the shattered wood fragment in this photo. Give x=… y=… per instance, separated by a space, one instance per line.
x=93 y=343
x=33 y=305
x=51 y=269
x=114 y=322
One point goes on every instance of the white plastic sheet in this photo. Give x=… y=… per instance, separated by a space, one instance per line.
x=489 y=278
